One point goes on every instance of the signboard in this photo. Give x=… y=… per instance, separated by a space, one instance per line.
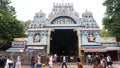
x=35 y=47
x=18 y=44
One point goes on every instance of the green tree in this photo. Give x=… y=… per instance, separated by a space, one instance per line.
x=104 y=33
x=111 y=21
x=27 y=23
x=26 y=26
x=10 y=27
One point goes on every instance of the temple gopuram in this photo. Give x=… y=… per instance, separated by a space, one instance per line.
x=63 y=32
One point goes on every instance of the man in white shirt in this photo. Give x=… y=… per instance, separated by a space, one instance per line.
x=109 y=61
x=50 y=61
x=64 y=62
x=55 y=58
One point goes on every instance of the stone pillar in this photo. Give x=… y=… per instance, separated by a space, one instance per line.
x=48 y=41
x=79 y=42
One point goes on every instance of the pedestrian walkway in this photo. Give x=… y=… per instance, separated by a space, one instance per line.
x=71 y=65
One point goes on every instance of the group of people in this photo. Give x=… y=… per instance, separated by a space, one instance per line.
x=50 y=59
x=12 y=62
x=36 y=61
x=100 y=61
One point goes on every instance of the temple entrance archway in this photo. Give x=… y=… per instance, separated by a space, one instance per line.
x=64 y=42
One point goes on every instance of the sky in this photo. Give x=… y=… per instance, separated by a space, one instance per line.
x=26 y=9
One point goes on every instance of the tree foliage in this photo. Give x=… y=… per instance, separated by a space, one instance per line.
x=10 y=27
x=104 y=33
x=111 y=21
x=26 y=25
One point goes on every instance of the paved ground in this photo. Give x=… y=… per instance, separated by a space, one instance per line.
x=71 y=65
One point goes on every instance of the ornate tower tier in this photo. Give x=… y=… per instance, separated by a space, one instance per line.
x=63 y=10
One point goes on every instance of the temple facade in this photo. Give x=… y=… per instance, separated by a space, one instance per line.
x=63 y=32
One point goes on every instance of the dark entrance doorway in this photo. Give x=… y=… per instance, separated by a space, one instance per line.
x=64 y=42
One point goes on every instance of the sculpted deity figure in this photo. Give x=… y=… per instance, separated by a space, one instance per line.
x=91 y=37
x=37 y=38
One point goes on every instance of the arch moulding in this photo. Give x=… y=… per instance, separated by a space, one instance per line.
x=73 y=16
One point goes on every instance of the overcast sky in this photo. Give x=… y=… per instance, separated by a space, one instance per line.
x=26 y=9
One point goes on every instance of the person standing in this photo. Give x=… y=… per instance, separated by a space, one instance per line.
x=89 y=59
x=33 y=62
x=55 y=58
x=109 y=61
x=64 y=62
x=9 y=63
x=103 y=61
x=18 y=63
x=50 y=61
x=47 y=59
x=38 y=65
x=98 y=64
x=83 y=58
x=79 y=63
